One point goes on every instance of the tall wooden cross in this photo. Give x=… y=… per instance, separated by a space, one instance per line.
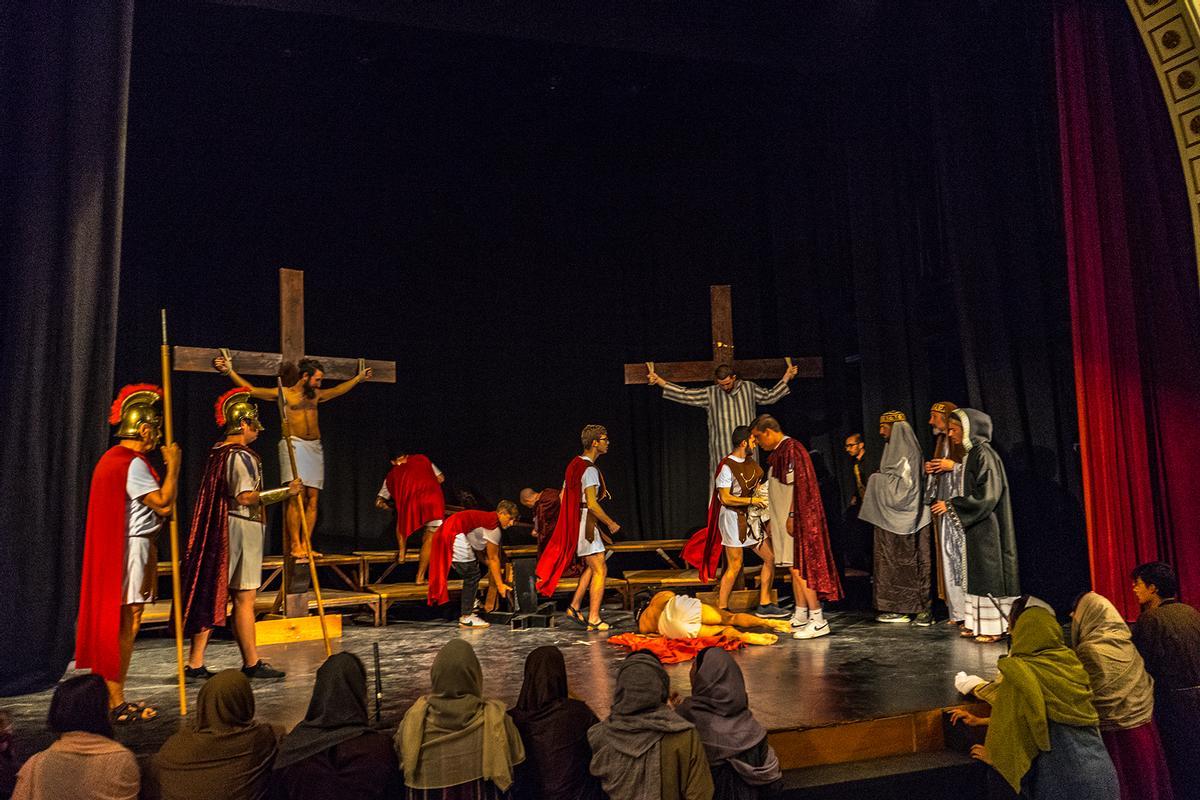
x=291 y=340
x=722 y=346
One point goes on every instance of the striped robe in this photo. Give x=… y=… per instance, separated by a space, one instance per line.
x=726 y=410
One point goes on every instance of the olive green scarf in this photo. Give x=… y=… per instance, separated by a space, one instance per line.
x=1043 y=682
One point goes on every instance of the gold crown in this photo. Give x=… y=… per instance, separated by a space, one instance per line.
x=892 y=416
x=943 y=407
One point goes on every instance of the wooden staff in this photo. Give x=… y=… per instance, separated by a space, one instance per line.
x=173 y=525
x=305 y=540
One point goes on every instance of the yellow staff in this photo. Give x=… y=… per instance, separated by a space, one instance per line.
x=176 y=592
x=307 y=541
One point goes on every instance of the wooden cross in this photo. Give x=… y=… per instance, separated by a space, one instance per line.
x=291 y=340
x=722 y=345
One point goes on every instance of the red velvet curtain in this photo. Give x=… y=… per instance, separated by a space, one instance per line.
x=1135 y=302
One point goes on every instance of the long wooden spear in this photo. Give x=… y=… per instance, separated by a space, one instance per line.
x=306 y=540
x=173 y=525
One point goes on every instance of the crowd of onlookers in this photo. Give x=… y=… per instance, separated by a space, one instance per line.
x=1114 y=715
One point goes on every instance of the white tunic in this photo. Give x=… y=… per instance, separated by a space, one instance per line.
x=141 y=526
x=591 y=478
x=465 y=544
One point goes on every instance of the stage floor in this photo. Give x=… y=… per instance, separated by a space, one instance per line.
x=864 y=670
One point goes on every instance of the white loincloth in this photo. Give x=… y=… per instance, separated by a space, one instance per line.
x=779 y=495
x=310 y=461
x=681 y=617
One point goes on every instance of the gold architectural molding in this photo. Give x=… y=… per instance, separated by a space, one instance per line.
x=1170 y=31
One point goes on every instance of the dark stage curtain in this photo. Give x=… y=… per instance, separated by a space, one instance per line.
x=948 y=203
x=1134 y=302
x=64 y=76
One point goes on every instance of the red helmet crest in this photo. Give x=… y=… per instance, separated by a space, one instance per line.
x=114 y=414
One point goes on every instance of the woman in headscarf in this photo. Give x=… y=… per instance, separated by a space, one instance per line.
x=454 y=744
x=84 y=763
x=1043 y=736
x=744 y=766
x=333 y=753
x=223 y=755
x=1123 y=694
x=553 y=728
x=644 y=750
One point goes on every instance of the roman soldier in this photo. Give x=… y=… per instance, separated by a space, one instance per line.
x=225 y=542
x=126 y=508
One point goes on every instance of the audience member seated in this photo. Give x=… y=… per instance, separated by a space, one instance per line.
x=85 y=763
x=223 y=755
x=1043 y=735
x=1167 y=634
x=744 y=766
x=454 y=744
x=333 y=754
x=644 y=750
x=1123 y=695
x=553 y=728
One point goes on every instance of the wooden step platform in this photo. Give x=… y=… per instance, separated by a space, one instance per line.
x=389 y=593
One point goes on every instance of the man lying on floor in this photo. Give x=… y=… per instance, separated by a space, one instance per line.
x=678 y=616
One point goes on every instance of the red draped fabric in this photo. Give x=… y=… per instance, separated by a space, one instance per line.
x=1135 y=302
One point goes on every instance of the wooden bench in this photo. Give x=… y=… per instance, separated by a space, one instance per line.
x=389 y=593
x=273 y=569
x=658 y=579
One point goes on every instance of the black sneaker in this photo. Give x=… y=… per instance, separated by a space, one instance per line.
x=923 y=620
x=771 y=611
x=262 y=671
x=196 y=674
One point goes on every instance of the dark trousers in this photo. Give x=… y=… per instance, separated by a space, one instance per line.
x=470 y=573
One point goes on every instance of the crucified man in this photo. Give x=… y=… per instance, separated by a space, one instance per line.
x=300 y=399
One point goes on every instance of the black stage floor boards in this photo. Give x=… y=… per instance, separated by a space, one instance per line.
x=863 y=671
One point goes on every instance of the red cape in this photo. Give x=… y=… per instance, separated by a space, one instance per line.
x=560 y=549
x=98 y=626
x=813 y=556
x=205 y=585
x=672 y=651
x=703 y=550
x=443 y=549
x=418 y=495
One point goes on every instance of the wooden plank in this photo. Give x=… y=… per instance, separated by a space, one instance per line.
x=287 y=630
x=647 y=545
x=248 y=362
x=773 y=368
x=673 y=371
x=702 y=371
x=720 y=299
x=291 y=314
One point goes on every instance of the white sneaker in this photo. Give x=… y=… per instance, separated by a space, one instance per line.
x=799 y=622
x=473 y=621
x=812 y=631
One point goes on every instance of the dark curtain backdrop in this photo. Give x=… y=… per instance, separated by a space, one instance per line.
x=1134 y=302
x=946 y=196
x=513 y=220
x=64 y=77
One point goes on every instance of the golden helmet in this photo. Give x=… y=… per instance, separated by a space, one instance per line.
x=136 y=405
x=235 y=406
